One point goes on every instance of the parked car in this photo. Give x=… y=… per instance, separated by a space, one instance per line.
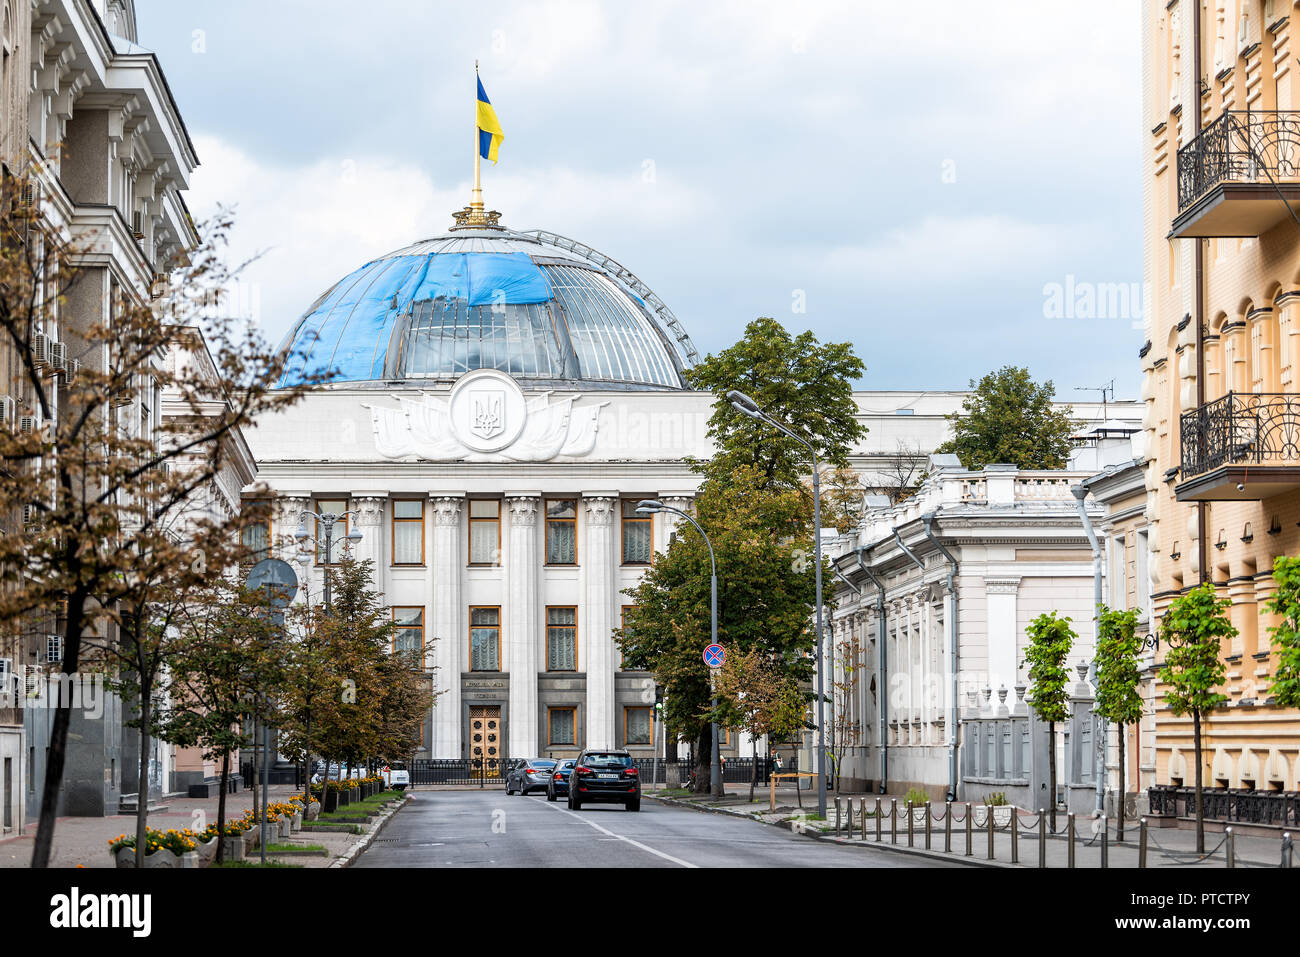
x=605 y=776
x=559 y=783
x=528 y=776
x=396 y=776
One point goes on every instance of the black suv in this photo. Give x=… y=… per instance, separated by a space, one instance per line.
x=605 y=776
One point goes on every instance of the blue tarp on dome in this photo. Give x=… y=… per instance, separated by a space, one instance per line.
x=352 y=323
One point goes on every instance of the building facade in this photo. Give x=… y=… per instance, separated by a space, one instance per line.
x=501 y=401
x=1222 y=261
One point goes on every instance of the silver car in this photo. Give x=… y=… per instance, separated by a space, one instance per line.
x=532 y=775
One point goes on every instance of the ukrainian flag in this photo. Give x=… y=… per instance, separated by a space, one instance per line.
x=489 y=127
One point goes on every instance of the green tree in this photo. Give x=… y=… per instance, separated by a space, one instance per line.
x=1010 y=419
x=755 y=505
x=1286 y=634
x=1118 y=675
x=1050 y=640
x=761 y=699
x=1193 y=628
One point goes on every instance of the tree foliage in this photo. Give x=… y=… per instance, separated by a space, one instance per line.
x=1192 y=629
x=1010 y=419
x=1286 y=634
x=1050 y=640
x=1118 y=671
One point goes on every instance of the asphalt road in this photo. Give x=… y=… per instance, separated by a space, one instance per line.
x=491 y=829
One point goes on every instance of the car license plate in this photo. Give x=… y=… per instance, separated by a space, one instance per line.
x=607 y=777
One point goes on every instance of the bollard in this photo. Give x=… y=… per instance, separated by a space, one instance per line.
x=1105 y=842
x=1287 y=853
x=1069 y=839
x=910 y=829
x=988 y=823
x=879 y=814
x=838 y=817
x=968 y=830
x=947 y=828
x=927 y=825
x=864 y=819
x=849 y=816
x=893 y=820
x=1042 y=838
x=1015 y=835
x=1229 y=847
x=1142 y=842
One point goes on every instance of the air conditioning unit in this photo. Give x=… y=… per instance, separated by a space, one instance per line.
x=53 y=648
x=31 y=515
x=41 y=350
x=6 y=667
x=8 y=409
x=58 y=356
x=27 y=424
x=137 y=224
x=72 y=368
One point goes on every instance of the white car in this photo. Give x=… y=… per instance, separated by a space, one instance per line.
x=397 y=778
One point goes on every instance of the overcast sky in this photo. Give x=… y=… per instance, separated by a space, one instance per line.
x=912 y=176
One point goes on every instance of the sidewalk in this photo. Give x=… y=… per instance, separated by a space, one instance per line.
x=83 y=841
x=1166 y=847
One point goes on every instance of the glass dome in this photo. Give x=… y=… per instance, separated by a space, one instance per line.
x=534 y=305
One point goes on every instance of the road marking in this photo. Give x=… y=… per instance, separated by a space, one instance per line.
x=644 y=847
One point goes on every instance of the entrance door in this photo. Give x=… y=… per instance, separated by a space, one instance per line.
x=485 y=740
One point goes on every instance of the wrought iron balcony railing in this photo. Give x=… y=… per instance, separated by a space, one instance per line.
x=1242 y=428
x=1259 y=146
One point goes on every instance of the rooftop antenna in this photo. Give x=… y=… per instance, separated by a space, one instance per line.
x=1104 y=390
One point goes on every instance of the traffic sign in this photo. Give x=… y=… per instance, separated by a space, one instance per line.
x=714 y=656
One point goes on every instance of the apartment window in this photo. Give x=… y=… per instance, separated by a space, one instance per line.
x=409 y=633
x=561 y=639
x=637 y=728
x=485 y=639
x=255 y=535
x=562 y=726
x=408 y=532
x=1143 y=577
x=562 y=532
x=53 y=648
x=638 y=536
x=484 y=532
x=1118 y=574
x=332 y=506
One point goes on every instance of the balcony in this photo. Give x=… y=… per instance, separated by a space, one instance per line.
x=1242 y=447
x=1234 y=177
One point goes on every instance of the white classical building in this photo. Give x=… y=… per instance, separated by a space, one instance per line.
x=501 y=401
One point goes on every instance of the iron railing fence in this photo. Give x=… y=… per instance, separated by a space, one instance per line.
x=1239 y=805
x=485 y=772
x=734 y=770
x=1256 y=146
x=1241 y=428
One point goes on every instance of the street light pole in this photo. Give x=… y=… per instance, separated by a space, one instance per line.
x=648 y=507
x=747 y=406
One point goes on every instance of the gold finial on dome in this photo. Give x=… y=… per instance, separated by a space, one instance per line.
x=476 y=217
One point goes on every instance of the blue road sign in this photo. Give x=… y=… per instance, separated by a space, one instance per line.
x=714 y=656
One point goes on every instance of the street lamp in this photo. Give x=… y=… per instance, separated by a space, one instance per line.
x=747 y=406
x=326 y=521
x=648 y=507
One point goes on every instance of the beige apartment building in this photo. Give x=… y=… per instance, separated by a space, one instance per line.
x=1221 y=207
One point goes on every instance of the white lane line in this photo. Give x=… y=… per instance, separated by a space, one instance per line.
x=644 y=847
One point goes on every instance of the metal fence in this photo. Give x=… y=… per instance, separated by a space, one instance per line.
x=484 y=772
x=1281 y=808
x=734 y=770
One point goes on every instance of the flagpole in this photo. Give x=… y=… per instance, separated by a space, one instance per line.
x=476 y=198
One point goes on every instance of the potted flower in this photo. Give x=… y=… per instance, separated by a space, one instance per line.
x=165 y=849
x=313 y=810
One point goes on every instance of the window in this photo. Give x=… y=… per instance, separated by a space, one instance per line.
x=638 y=537
x=255 y=536
x=484 y=532
x=409 y=634
x=408 y=532
x=333 y=506
x=485 y=639
x=1118 y=574
x=562 y=532
x=53 y=648
x=561 y=639
x=562 y=726
x=637 y=727
x=1143 y=578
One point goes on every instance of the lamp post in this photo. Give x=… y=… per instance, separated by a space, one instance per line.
x=648 y=507
x=747 y=406
x=326 y=521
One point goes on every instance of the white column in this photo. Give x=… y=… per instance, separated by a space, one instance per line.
x=1002 y=656
x=369 y=520
x=523 y=624
x=289 y=509
x=595 y=617
x=672 y=522
x=448 y=565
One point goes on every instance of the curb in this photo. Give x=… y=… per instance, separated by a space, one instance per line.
x=355 y=850
x=844 y=842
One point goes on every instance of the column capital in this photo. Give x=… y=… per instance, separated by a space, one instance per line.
x=446 y=509
x=601 y=507
x=369 y=509
x=523 y=508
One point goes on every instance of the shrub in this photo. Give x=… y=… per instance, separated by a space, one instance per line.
x=916 y=796
x=995 y=799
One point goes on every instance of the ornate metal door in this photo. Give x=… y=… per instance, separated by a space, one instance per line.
x=485 y=740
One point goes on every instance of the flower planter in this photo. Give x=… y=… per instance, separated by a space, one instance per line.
x=1001 y=815
x=356 y=794
x=296 y=822
x=234 y=850
x=313 y=811
x=344 y=798
x=331 y=801
x=286 y=827
x=207 y=853
x=161 y=858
